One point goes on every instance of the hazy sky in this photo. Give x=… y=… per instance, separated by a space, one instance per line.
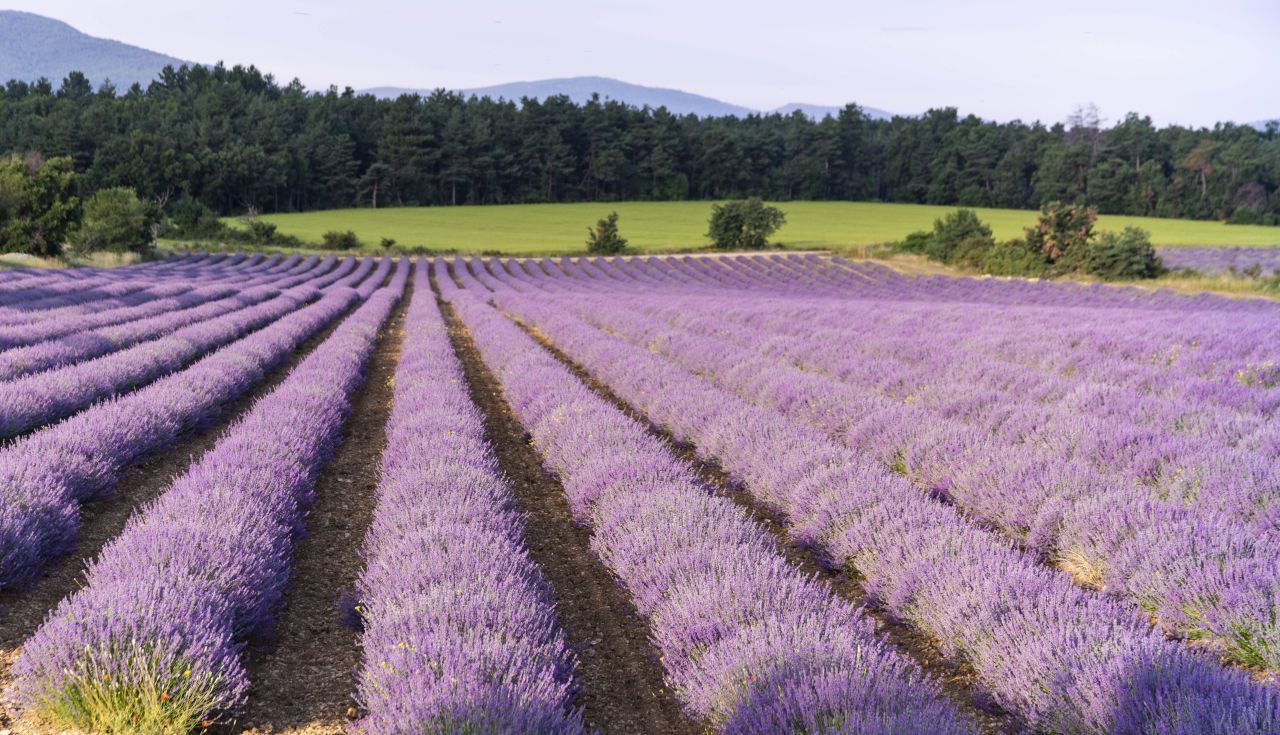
x=1184 y=61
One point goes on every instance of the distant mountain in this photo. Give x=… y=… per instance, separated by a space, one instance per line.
x=580 y=89
x=33 y=46
x=817 y=112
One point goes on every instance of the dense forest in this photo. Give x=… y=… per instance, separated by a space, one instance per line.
x=236 y=140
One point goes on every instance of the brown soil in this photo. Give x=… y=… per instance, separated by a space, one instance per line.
x=22 y=611
x=305 y=681
x=959 y=683
x=621 y=687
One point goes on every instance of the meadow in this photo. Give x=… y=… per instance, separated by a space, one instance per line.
x=553 y=229
x=260 y=494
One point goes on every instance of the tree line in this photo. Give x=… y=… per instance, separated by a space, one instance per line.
x=234 y=140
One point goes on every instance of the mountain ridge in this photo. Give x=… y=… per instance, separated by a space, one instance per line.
x=579 y=89
x=34 y=46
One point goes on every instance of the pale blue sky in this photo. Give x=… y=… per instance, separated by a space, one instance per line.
x=1184 y=61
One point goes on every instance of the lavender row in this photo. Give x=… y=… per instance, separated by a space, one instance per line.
x=1063 y=659
x=153 y=642
x=89 y=301
x=1222 y=260
x=42 y=398
x=202 y=305
x=84 y=294
x=748 y=643
x=161 y=299
x=39 y=399
x=49 y=474
x=447 y=570
x=1195 y=567
x=1192 y=563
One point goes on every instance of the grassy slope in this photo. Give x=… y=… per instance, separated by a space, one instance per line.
x=561 y=228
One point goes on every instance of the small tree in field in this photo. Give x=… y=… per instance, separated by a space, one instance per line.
x=745 y=224
x=1062 y=232
x=603 y=239
x=1126 y=254
x=115 y=220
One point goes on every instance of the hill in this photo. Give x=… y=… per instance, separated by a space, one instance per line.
x=33 y=46
x=580 y=89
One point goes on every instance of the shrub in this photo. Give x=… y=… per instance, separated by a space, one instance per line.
x=1127 y=254
x=604 y=239
x=387 y=243
x=1014 y=258
x=1063 y=232
x=115 y=220
x=334 y=240
x=972 y=251
x=261 y=232
x=190 y=219
x=745 y=224
x=917 y=242
x=960 y=226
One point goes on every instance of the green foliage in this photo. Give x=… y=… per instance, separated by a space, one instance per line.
x=115 y=220
x=1013 y=258
x=604 y=239
x=386 y=243
x=138 y=691
x=334 y=240
x=37 y=206
x=917 y=242
x=961 y=227
x=1062 y=232
x=1124 y=255
x=233 y=138
x=259 y=231
x=745 y=224
x=188 y=218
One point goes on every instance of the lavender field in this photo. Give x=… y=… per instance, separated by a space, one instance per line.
x=736 y=494
x=1212 y=261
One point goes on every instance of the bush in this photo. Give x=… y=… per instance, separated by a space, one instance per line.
x=604 y=239
x=1063 y=232
x=261 y=232
x=1014 y=258
x=917 y=242
x=115 y=220
x=190 y=219
x=745 y=224
x=959 y=227
x=334 y=240
x=1127 y=254
x=387 y=243
x=972 y=251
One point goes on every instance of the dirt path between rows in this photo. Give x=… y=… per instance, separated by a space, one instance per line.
x=959 y=682
x=620 y=680
x=304 y=681
x=22 y=611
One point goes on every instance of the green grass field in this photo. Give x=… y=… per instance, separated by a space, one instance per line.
x=657 y=226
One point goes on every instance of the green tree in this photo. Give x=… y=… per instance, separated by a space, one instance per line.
x=334 y=240
x=37 y=206
x=603 y=239
x=115 y=220
x=745 y=224
x=1126 y=254
x=961 y=227
x=1062 y=231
